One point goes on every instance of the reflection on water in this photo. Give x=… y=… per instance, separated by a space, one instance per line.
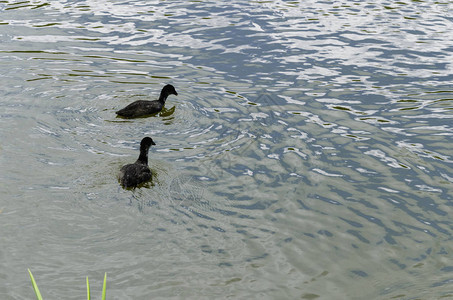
x=306 y=155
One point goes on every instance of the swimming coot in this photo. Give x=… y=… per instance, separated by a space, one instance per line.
x=132 y=175
x=142 y=108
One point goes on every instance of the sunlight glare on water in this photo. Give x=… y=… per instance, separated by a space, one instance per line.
x=306 y=156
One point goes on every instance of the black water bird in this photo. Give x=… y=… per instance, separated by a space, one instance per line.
x=132 y=175
x=142 y=108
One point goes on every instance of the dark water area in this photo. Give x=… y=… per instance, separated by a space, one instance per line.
x=306 y=156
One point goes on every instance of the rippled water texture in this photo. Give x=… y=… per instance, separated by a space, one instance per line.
x=307 y=155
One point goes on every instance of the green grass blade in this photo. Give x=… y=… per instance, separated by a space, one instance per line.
x=104 y=286
x=88 y=290
x=35 y=286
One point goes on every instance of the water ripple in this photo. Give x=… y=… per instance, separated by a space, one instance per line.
x=301 y=130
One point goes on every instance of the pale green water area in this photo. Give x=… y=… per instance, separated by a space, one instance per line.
x=308 y=154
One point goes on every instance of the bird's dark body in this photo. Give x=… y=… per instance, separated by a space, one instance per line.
x=132 y=175
x=141 y=108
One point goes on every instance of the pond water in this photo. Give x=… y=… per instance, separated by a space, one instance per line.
x=306 y=156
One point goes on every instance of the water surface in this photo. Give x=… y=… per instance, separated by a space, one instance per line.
x=306 y=156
